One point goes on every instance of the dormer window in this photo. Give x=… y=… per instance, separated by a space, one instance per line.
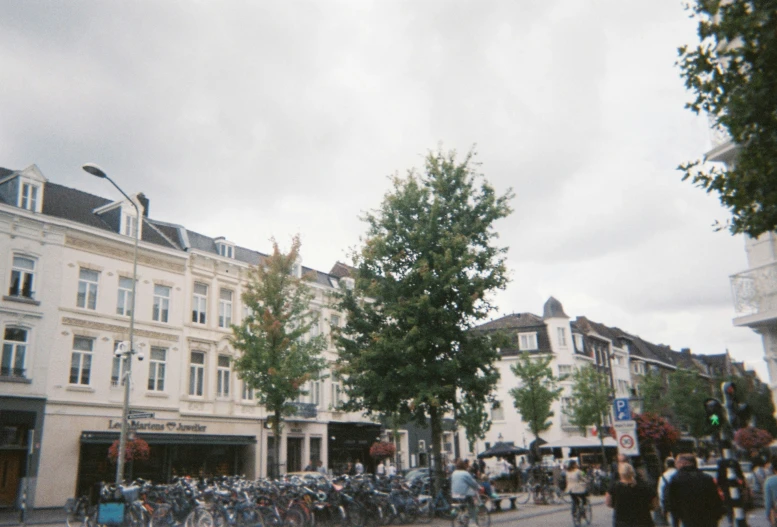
x=122 y=217
x=28 y=196
x=225 y=248
x=130 y=225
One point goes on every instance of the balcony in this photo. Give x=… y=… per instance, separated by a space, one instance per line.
x=755 y=295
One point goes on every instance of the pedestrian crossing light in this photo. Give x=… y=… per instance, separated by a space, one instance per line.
x=714 y=411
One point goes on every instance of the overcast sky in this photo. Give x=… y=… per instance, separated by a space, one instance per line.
x=257 y=119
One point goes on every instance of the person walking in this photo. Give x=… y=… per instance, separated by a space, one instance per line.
x=359 y=468
x=632 y=501
x=465 y=487
x=692 y=496
x=770 y=494
x=663 y=481
x=380 y=470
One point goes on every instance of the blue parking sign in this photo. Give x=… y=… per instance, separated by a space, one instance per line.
x=622 y=410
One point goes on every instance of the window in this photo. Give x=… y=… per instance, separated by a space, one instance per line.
x=334 y=321
x=130 y=225
x=119 y=366
x=638 y=368
x=225 y=308
x=28 y=199
x=81 y=360
x=225 y=250
x=22 y=277
x=161 y=308
x=196 y=373
x=565 y=369
x=562 y=337
x=222 y=377
x=199 y=303
x=579 y=342
x=335 y=395
x=315 y=392
x=315 y=329
x=14 y=352
x=497 y=412
x=87 y=289
x=620 y=360
x=528 y=341
x=248 y=393
x=156 y=369
x=124 y=304
x=623 y=386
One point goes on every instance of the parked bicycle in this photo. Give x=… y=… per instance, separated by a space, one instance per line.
x=461 y=512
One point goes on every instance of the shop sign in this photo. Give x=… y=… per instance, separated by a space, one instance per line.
x=150 y=426
x=308 y=410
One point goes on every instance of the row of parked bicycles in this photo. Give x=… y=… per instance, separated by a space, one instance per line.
x=363 y=501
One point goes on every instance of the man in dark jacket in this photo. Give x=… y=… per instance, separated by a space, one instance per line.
x=692 y=496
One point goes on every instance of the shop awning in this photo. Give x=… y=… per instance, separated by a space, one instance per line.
x=170 y=439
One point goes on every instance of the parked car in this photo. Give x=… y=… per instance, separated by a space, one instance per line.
x=417 y=473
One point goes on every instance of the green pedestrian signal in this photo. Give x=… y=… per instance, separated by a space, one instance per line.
x=714 y=410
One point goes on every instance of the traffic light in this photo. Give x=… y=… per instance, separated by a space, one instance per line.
x=714 y=411
x=738 y=413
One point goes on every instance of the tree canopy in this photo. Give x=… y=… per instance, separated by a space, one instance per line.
x=423 y=279
x=732 y=73
x=591 y=398
x=278 y=355
x=536 y=391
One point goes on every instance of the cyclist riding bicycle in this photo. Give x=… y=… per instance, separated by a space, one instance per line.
x=465 y=487
x=576 y=486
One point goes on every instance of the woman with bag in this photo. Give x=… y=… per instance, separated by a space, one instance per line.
x=631 y=501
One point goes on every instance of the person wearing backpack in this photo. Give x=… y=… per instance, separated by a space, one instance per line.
x=663 y=481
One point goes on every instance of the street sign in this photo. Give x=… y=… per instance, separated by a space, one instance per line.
x=627 y=437
x=140 y=415
x=622 y=410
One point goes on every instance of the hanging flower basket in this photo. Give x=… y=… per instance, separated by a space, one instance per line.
x=752 y=437
x=135 y=450
x=382 y=449
x=655 y=430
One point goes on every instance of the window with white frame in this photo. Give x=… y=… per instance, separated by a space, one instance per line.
x=87 y=289
x=315 y=392
x=565 y=369
x=248 y=392
x=14 y=352
x=199 y=303
x=22 y=277
x=223 y=373
x=497 y=412
x=315 y=329
x=157 y=361
x=28 y=196
x=620 y=360
x=579 y=342
x=226 y=250
x=623 y=386
x=161 y=309
x=130 y=225
x=334 y=321
x=638 y=367
x=225 y=308
x=124 y=301
x=562 y=337
x=120 y=365
x=527 y=341
x=197 y=373
x=81 y=360
x=336 y=395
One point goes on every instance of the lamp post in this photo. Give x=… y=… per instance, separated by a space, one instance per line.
x=126 y=355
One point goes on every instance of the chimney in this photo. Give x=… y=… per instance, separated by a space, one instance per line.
x=685 y=351
x=144 y=202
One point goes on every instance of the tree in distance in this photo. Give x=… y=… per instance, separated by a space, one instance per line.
x=423 y=278
x=278 y=355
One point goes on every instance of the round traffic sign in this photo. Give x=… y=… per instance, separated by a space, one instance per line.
x=627 y=441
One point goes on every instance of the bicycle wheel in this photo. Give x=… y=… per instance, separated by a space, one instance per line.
x=460 y=518
x=200 y=517
x=524 y=493
x=561 y=495
x=425 y=510
x=137 y=516
x=589 y=513
x=294 y=518
x=484 y=516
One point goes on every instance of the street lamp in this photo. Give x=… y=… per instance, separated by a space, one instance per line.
x=126 y=355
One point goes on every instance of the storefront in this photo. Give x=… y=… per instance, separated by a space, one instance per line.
x=350 y=442
x=74 y=453
x=21 y=421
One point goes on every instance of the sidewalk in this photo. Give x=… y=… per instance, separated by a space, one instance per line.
x=55 y=516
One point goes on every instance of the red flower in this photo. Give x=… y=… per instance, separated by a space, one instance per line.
x=381 y=449
x=652 y=428
x=752 y=437
x=135 y=450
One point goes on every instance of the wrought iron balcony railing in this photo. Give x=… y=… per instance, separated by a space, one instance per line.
x=755 y=290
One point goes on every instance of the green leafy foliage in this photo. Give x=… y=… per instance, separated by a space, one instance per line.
x=652 y=388
x=473 y=416
x=686 y=395
x=423 y=279
x=591 y=398
x=277 y=356
x=536 y=392
x=732 y=72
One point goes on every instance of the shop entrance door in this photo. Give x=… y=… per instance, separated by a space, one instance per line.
x=293 y=454
x=10 y=473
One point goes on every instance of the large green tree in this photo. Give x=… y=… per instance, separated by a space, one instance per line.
x=652 y=389
x=686 y=395
x=732 y=73
x=473 y=416
x=423 y=279
x=537 y=390
x=590 y=401
x=278 y=355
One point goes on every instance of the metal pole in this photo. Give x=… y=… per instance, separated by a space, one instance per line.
x=26 y=492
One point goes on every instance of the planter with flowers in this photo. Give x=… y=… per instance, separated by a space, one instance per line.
x=135 y=450
x=382 y=450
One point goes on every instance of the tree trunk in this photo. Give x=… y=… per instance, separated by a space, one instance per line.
x=436 y=425
x=276 y=430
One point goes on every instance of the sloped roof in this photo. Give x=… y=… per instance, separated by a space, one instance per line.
x=553 y=309
x=513 y=321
